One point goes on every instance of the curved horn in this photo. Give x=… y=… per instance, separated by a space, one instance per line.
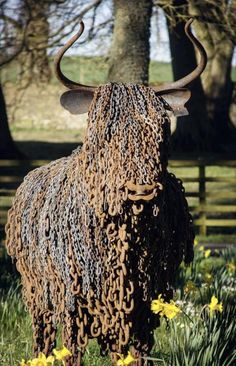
x=57 y=61
x=181 y=83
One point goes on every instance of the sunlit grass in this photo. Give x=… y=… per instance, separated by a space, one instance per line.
x=15 y=328
x=91 y=70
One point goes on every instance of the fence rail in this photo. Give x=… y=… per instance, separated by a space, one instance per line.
x=210 y=188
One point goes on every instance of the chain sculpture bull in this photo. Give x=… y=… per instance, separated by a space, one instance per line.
x=98 y=235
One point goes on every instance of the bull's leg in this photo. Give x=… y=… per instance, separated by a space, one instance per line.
x=70 y=336
x=44 y=333
x=38 y=328
x=49 y=333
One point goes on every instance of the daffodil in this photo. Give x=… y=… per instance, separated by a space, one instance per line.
x=208 y=278
x=157 y=306
x=195 y=243
x=190 y=287
x=124 y=361
x=201 y=248
x=42 y=360
x=215 y=305
x=170 y=310
x=207 y=253
x=231 y=266
x=25 y=363
x=61 y=354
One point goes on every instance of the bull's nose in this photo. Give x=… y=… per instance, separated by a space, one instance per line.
x=135 y=187
x=145 y=192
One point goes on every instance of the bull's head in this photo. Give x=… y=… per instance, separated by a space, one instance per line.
x=131 y=129
x=78 y=99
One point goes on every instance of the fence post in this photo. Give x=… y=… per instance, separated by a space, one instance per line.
x=202 y=199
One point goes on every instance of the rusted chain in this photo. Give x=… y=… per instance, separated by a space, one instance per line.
x=99 y=234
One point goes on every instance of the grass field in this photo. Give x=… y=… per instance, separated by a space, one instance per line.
x=195 y=339
x=92 y=70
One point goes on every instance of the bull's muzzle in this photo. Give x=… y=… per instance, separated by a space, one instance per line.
x=142 y=192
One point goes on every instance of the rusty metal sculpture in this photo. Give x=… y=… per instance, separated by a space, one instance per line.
x=99 y=234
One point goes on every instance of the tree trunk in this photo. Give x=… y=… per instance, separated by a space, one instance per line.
x=34 y=59
x=129 y=55
x=217 y=83
x=193 y=133
x=8 y=149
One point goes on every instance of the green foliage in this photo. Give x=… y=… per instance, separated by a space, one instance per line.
x=200 y=339
x=92 y=356
x=15 y=328
x=208 y=341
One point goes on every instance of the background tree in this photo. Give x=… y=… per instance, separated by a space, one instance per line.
x=34 y=58
x=25 y=37
x=207 y=127
x=193 y=133
x=8 y=149
x=8 y=27
x=218 y=42
x=129 y=54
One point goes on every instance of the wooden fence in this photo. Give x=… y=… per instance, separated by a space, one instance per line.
x=210 y=189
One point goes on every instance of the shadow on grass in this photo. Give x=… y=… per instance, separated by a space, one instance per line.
x=46 y=150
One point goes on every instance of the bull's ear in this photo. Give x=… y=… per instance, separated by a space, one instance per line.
x=76 y=101
x=176 y=98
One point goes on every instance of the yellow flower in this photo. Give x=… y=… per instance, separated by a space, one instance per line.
x=201 y=248
x=62 y=353
x=157 y=306
x=215 y=306
x=123 y=361
x=195 y=243
x=42 y=360
x=24 y=363
x=208 y=278
x=170 y=310
x=231 y=266
x=207 y=253
x=190 y=287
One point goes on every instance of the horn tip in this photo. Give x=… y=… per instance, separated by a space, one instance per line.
x=187 y=24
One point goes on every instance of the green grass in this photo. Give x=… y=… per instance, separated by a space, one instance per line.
x=197 y=340
x=86 y=70
x=217 y=239
x=91 y=70
x=94 y=70
x=15 y=329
